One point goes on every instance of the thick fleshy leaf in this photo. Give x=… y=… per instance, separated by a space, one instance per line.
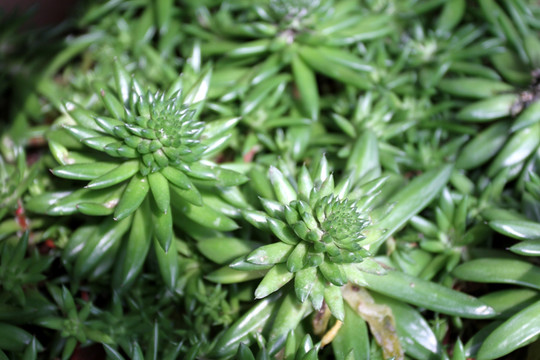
x=526 y=248
x=520 y=145
x=109 y=125
x=528 y=117
x=113 y=106
x=518 y=331
x=83 y=117
x=227 y=177
x=333 y=273
x=192 y=196
x=228 y=275
x=95 y=250
x=317 y=292
x=409 y=202
x=261 y=92
x=354 y=274
x=283 y=189
x=451 y=15
x=177 y=177
x=82 y=133
x=112 y=353
x=297 y=258
x=138 y=245
x=244 y=353
x=336 y=64
x=304 y=280
x=483 y=146
x=240 y=331
x=132 y=197
x=96 y=209
x=276 y=277
x=122 y=81
x=430 y=295
x=217 y=128
x=83 y=171
x=494 y=270
x=334 y=300
x=518 y=229
x=270 y=254
x=205 y=215
x=162 y=226
x=159 y=187
x=289 y=315
x=101 y=142
x=223 y=250
x=168 y=263
x=118 y=174
x=256 y=218
x=364 y=155
x=473 y=87
x=306 y=83
x=486 y=110
x=282 y=231
x=509 y=301
x=13 y=338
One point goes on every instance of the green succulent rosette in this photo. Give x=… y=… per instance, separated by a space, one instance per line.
x=320 y=226
x=147 y=158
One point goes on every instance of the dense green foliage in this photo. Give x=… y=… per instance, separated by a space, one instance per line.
x=332 y=179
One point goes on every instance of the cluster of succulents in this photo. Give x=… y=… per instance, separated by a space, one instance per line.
x=296 y=180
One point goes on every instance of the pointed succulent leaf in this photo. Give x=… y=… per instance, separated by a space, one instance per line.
x=512 y=334
x=133 y=196
x=283 y=189
x=428 y=294
x=229 y=275
x=223 y=250
x=317 y=293
x=506 y=271
x=409 y=202
x=82 y=133
x=276 y=278
x=177 y=177
x=253 y=319
x=518 y=229
x=270 y=254
x=332 y=297
x=163 y=226
x=117 y=175
x=167 y=262
x=160 y=191
x=109 y=125
x=97 y=248
x=205 y=215
x=296 y=261
x=282 y=231
x=304 y=281
x=333 y=273
x=138 y=245
x=83 y=171
x=288 y=317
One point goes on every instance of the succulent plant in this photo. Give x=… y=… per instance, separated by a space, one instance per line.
x=150 y=158
x=153 y=143
x=320 y=227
